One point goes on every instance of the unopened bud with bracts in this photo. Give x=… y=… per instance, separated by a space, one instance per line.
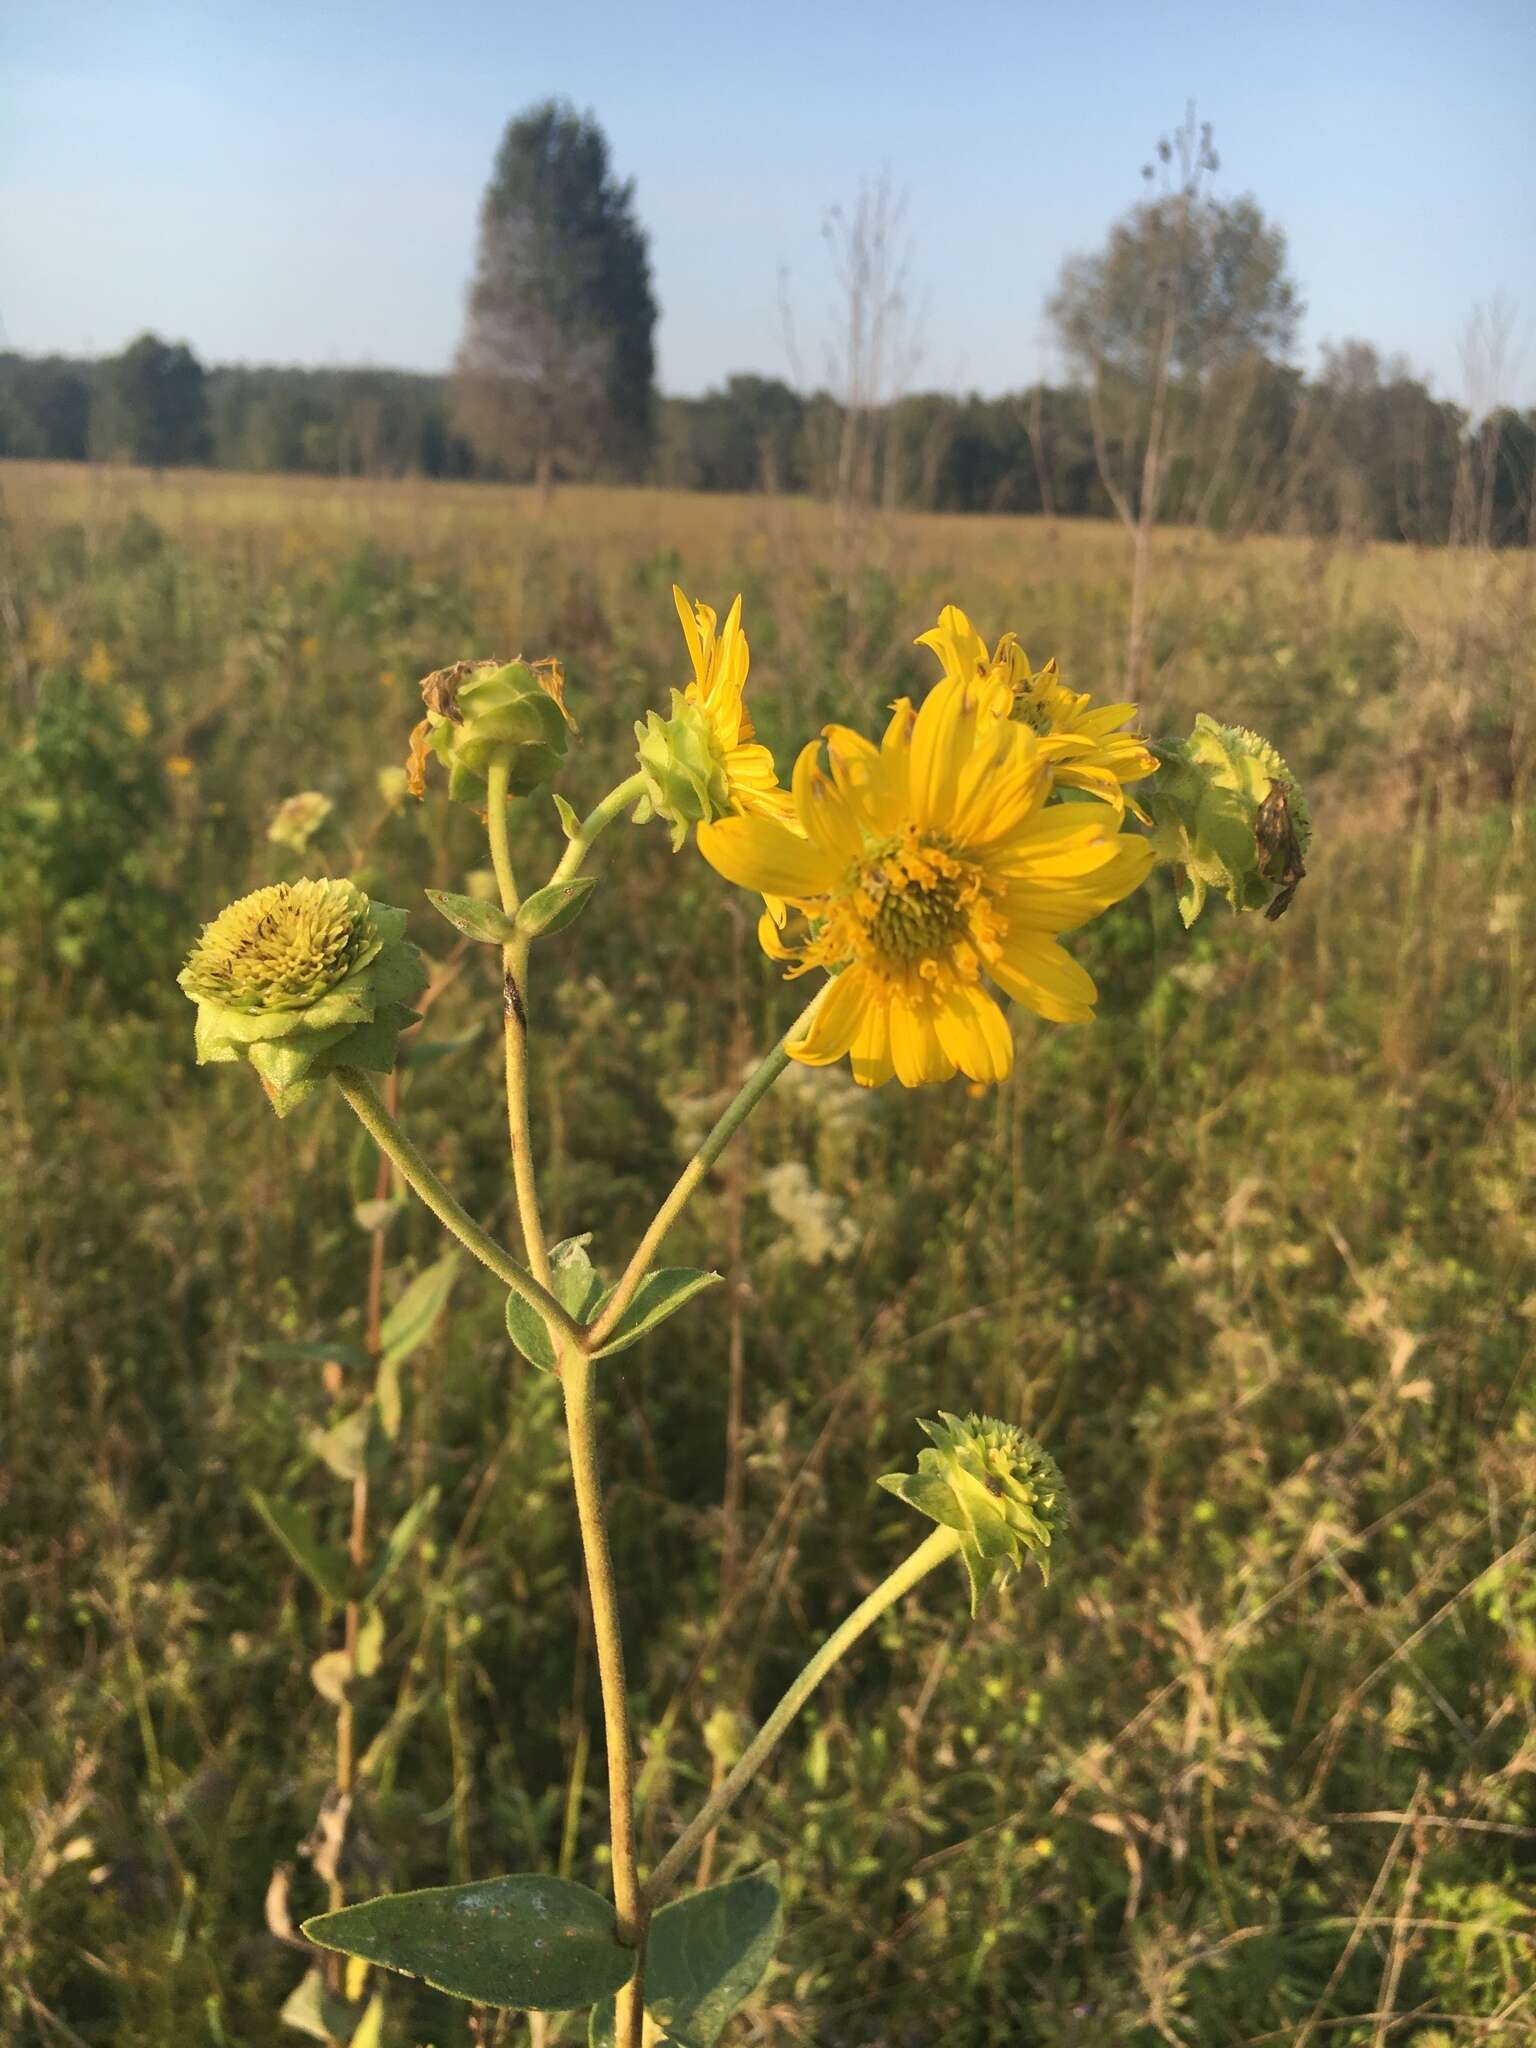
x=1228 y=814
x=686 y=783
x=995 y=1487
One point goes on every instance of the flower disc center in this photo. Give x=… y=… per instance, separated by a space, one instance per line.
x=913 y=901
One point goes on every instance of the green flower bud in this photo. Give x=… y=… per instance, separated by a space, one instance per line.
x=1229 y=815
x=301 y=978
x=995 y=1487
x=685 y=776
x=484 y=711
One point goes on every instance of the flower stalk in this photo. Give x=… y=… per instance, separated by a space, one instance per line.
x=929 y=1554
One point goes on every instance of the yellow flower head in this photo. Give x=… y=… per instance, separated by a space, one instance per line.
x=925 y=865
x=720 y=661
x=1085 y=746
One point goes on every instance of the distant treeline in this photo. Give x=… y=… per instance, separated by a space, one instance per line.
x=1363 y=450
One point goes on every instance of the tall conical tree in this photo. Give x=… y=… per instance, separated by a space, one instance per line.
x=556 y=371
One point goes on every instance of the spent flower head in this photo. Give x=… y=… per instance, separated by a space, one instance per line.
x=1229 y=815
x=484 y=711
x=921 y=867
x=705 y=761
x=300 y=978
x=995 y=1487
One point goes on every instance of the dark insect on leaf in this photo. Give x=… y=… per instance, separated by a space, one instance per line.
x=1280 y=858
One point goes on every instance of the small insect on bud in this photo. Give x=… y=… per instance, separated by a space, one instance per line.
x=299 y=979
x=1228 y=814
x=484 y=711
x=995 y=1487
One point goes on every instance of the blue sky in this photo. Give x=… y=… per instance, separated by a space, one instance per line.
x=298 y=183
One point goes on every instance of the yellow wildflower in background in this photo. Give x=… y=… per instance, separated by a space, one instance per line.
x=99 y=667
x=179 y=765
x=1086 y=747
x=924 y=866
x=720 y=661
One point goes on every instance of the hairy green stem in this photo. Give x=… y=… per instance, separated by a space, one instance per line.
x=726 y=1127
x=423 y=1182
x=514 y=1004
x=576 y=1374
x=932 y=1551
x=596 y=822
x=496 y=827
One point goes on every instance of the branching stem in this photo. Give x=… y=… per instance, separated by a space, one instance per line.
x=726 y=1127
x=423 y=1182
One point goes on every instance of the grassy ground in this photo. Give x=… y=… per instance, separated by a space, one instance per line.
x=1254 y=1254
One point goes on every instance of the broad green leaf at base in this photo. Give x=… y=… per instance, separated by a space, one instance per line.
x=528 y=1943
x=707 y=1954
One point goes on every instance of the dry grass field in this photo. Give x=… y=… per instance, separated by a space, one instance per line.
x=1254 y=1255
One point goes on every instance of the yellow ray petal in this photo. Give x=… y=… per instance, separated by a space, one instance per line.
x=870 y=1053
x=942 y=739
x=756 y=853
x=918 y=1056
x=823 y=813
x=974 y=1033
x=833 y=1028
x=1037 y=972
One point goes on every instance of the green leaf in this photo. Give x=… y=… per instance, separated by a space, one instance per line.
x=292 y=1527
x=570 y=824
x=659 y=1295
x=347 y=1355
x=533 y=1944
x=412 y=1319
x=313 y=2010
x=423 y=1052
x=553 y=908
x=525 y=1326
x=387 y=1399
x=378 y=1214
x=370 y=1643
x=344 y=1448
x=331 y=1674
x=487 y=922
x=707 y=1954
x=402 y=1540
x=577 y=1286
x=370 y=2028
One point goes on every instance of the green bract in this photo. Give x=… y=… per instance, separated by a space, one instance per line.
x=301 y=978
x=685 y=779
x=992 y=1485
x=1228 y=813
x=484 y=711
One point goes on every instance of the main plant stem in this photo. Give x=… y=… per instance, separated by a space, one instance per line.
x=933 y=1551
x=576 y=1381
x=575 y=1366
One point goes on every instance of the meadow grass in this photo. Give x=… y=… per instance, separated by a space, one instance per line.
x=1254 y=1255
